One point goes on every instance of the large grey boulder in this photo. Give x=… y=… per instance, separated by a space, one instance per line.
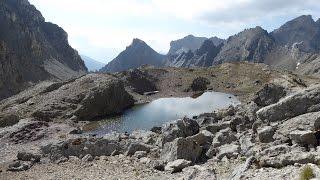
x=80 y=147
x=86 y=98
x=221 y=138
x=304 y=122
x=265 y=134
x=198 y=173
x=137 y=146
x=269 y=94
x=181 y=148
x=299 y=103
x=177 y=165
x=180 y=128
x=303 y=137
x=228 y=150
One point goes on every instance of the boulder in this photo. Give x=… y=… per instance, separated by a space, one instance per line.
x=8 y=120
x=302 y=102
x=200 y=84
x=269 y=94
x=28 y=156
x=228 y=150
x=181 y=148
x=80 y=147
x=137 y=146
x=87 y=158
x=140 y=81
x=265 y=134
x=225 y=136
x=203 y=138
x=86 y=98
x=198 y=173
x=180 y=128
x=147 y=137
x=140 y=154
x=216 y=127
x=19 y=166
x=303 y=137
x=291 y=158
x=177 y=165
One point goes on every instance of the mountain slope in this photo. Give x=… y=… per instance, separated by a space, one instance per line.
x=303 y=30
x=249 y=45
x=202 y=57
x=31 y=49
x=134 y=56
x=185 y=44
x=92 y=64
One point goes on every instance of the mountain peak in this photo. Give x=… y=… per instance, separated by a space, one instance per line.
x=137 y=41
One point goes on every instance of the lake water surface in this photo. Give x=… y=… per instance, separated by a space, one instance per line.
x=162 y=110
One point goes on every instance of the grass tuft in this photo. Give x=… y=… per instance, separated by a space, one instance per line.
x=306 y=173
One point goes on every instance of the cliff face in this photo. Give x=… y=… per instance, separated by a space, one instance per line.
x=249 y=45
x=31 y=49
x=134 y=56
x=202 y=57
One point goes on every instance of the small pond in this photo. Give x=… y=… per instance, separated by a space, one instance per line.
x=155 y=113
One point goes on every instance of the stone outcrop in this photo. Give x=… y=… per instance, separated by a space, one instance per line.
x=270 y=94
x=181 y=148
x=291 y=106
x=200 y=84
x=32 y=50
x=85 y=98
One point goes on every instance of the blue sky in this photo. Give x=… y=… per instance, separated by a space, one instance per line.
x=103 y=28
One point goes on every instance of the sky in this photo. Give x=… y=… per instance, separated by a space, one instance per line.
x=101 y=29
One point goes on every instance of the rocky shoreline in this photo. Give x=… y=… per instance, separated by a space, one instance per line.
x=273 y=133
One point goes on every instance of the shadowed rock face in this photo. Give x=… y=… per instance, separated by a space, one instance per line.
x=249 y=45
x=202 y=57
x=31 y=49
x=135 y=55
x=185 y=44
x=300 y=30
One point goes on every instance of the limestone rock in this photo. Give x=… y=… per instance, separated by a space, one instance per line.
x=270 y=94
x=181 y=148
x=177 y=165
x=136 y=146
x=303 y=137
x=265 y=134
x=87 y=158
x=299 y=103
x=198 y=173
x=27 y=156
x=180 y=128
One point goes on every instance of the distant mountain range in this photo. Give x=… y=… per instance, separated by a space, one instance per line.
x=91 y=64
x=294 y=46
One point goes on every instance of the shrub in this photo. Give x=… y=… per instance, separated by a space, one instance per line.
x=306 y=173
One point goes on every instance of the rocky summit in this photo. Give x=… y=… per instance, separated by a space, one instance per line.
x=32 y=50
x=134 y=56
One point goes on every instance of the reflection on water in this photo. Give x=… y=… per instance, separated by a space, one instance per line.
x=162 y=110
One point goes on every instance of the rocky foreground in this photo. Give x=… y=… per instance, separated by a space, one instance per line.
x=274 y=133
